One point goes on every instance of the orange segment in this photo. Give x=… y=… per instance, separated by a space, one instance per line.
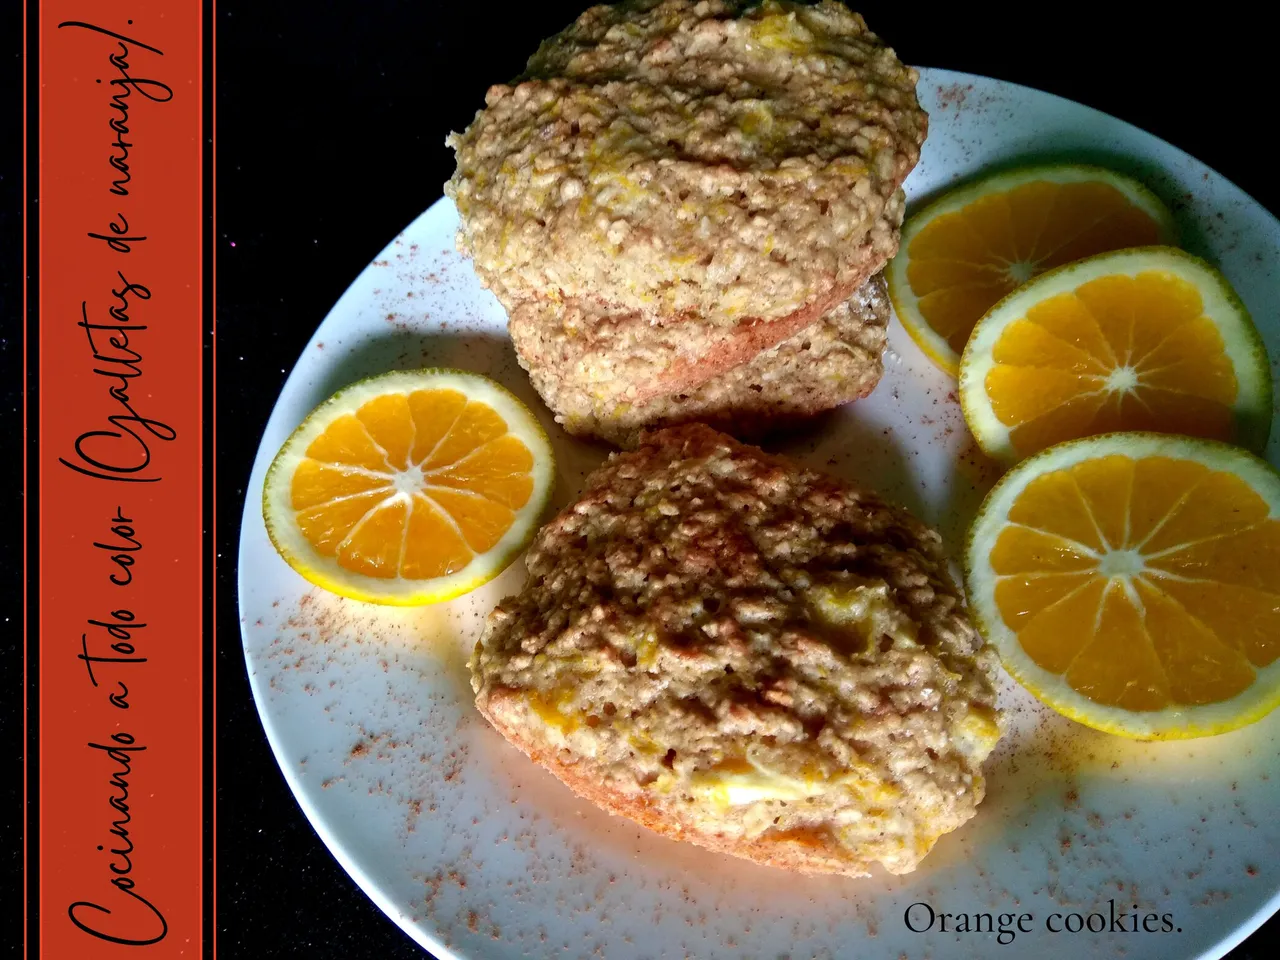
x=1241 y=617
x=1174 y=411
x=1083 y=207
x=1069 y=318
x=1133 y=582
x=1054 y=504
x=952 y=311
x=434 y=412
x=1190 y=359
x=1023 y=550
x=1249 y=558
x=1074 y=418
x=1022 y=394
x=1159 y=484
x=488 y=469
x=1200 y=667
x=1119 y=666
x=1201 y=372
x=991 y=220
x=316 y=483
x=390 y=426
x=1168 y=300
x=1127 y=227
x=477 y=424
x=481 y=521
x=1055 y=634
x=373 y=546
x=346 y=441
x=932 y=275
x=947 y=237
x=1218 y=505
x=1106 y=485
x=1035 y=346
x=327 y=525
x=434 y=547
x=498 y=470
x=1031 y=210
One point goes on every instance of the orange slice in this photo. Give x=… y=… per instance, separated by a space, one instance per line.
x=966 y=251
x=1131 y=581
x=409 y=488
x=1145 y=339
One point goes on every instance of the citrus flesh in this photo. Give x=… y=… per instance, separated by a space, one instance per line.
x=1131 y=581
x=975 y=245
x=1144 y=339
x=409 y=488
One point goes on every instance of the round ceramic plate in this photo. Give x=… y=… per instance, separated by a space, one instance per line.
x=475 y=852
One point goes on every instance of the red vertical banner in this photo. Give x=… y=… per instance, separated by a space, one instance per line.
x=120 y=478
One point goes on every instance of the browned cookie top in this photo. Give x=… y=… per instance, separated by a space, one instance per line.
x=713 y=159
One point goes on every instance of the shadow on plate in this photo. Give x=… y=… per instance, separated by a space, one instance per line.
x=483 y=353
x=855 y=450
x=874 y=457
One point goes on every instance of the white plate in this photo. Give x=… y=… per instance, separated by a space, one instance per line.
x=477 y=853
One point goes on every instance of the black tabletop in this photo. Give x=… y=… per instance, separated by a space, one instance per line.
x=331 y=120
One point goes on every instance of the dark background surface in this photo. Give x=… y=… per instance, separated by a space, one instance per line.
x=331 y=120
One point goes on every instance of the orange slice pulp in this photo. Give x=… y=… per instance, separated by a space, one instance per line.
x=965 y=252
x=1144 y=339
x=1132 y=582
x=409 y=488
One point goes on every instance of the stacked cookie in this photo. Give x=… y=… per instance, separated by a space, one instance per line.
x=684 y=207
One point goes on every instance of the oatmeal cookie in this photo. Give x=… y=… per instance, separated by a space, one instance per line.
x=734 y=650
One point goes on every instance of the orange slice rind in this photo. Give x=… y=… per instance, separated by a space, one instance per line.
x=976 y=244
x=409 y=488
x=1131 y=581
x=1147 y=339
